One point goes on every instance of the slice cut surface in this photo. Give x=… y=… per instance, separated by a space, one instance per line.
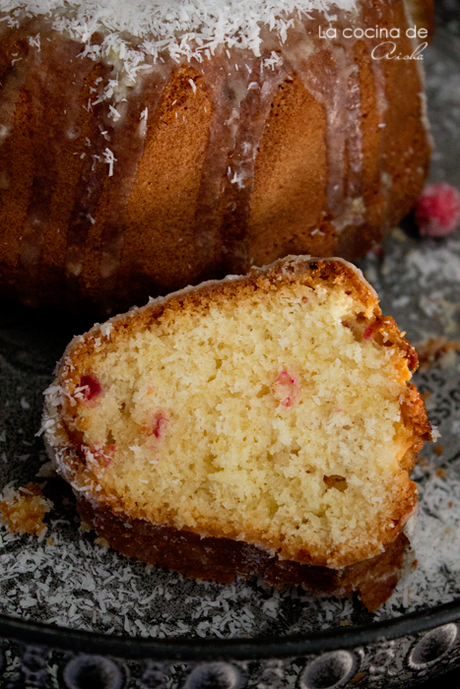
x=272 y=409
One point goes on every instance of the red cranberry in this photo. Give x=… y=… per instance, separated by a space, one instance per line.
x=437 y=212
x=368 y=333
x=92 y=387
x=159 y=420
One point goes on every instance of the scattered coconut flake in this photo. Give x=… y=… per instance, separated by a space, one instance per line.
x=110 y=159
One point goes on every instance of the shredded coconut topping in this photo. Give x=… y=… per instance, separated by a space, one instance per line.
x=110 y=159
x=180 y=28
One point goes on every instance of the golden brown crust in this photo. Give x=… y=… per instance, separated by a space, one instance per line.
x=312 y=272
x=223 y=559
x=415 y=418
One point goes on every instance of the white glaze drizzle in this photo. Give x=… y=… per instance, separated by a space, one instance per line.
x=339 y=92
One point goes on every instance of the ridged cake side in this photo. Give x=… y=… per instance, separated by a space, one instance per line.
x=132 y=165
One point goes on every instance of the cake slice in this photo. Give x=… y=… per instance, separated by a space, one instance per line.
x=259 y=425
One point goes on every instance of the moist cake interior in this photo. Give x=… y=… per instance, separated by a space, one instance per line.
x=275 y=419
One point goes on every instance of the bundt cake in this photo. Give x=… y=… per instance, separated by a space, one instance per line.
x=256 y=425
x=147 y=145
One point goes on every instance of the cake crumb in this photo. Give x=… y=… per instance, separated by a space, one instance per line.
x=441 y=473
x=357 y=678
x=102 y=541
x=24 y=509
x=438 y=450
x=437 y=351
